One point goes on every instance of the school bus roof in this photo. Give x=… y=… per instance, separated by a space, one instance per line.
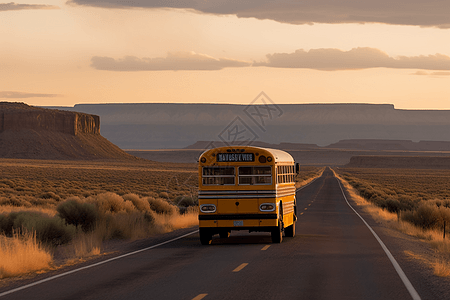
x=278 y=155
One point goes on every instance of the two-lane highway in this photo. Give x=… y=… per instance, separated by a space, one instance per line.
x=333 y=256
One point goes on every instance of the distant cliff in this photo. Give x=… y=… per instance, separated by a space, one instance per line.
x=38 y=133
x=177 y=125
x=17 y=116
x=399 y=162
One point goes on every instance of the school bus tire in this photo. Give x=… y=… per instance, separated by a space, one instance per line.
x=277 y=233
x=205 y=236
x=224 y=234
x=290 y=230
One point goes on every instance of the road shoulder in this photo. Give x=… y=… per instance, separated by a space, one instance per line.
x=412 y=254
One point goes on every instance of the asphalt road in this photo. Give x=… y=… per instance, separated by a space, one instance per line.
x=333 y=256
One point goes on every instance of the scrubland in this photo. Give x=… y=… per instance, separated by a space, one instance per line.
x=307 y=174
x=65 y=210
x=60 y=212
x=416 y=202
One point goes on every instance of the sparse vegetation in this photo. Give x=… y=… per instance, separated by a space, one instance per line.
x=421 y=197
x=28 y=183
x=72 y=207
x=416 y=202
x=307 y=174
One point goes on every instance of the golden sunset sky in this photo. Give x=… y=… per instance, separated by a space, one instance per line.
x=56 y=52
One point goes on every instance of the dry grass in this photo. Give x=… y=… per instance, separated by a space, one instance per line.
x=21 y=254
x=421 y=197
x=7 y=209
x=132 y=200
x=307 y=174
x=85 y=245
x=377 y=213
x=440 y=264
x=441 y=268
x=167 y=223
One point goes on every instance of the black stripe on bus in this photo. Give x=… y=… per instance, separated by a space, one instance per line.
x=238 y=217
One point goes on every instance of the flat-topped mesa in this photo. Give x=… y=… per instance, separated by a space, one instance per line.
x=17 y=116
x=28 y=132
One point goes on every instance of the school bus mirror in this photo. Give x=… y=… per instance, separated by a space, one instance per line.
x=297 y=168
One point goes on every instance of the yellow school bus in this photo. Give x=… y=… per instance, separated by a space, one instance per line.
x=246 y=188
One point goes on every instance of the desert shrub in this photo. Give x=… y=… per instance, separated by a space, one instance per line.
x=86 y=194
x=78 y=213
x=43 y=202
x=53 y=231
x=110 y=202
x=49 y=195
x=392 y=205
x=138 y=202
x=50 y=230
x=161 y=206
x=440 y=203
x=149 y=216
x=408 y=202
x=153 y=194
x=186 y=201
x=73 y=191
x=6 y=224
x=124 y=225
x=426 y=216
x=8 y=182
x=367 y=192
x=164 y=195
x=390 y=192
x=16 y=201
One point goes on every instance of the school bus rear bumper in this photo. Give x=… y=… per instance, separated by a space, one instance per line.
x=239 y=221
x=238 y=217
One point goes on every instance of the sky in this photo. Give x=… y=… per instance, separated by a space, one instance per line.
x=61 y=53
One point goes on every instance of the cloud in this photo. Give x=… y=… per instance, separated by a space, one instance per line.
x=356 y=58
x=15 y=6
x=173 y=61
x=431 y=73
x=327 y=59
x=19 y=95
x=399 y=12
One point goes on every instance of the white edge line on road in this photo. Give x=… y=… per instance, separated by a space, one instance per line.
x=412 y=291
x=93 y=265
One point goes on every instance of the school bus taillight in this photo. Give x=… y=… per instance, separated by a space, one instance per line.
x=208 y=208
x=267 y=207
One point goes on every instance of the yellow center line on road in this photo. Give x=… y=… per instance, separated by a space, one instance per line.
x=201 y=296
x=306 y=208
x=265 y=247
x=301 y=214
x=240 y=267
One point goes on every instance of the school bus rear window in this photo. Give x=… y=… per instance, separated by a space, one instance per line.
x=218 y=176
x=255 y=175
